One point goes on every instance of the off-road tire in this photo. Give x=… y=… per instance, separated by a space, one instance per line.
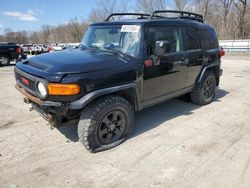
x=197 y=95
x=7 y=60
x=93 y=115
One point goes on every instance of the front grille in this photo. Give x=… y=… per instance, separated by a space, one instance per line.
x=31 y=85
x=22 y=78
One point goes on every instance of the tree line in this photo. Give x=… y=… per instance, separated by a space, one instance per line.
x=230 y=18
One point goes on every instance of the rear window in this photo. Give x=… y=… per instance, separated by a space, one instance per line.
x=193 y=39
x=209 y=39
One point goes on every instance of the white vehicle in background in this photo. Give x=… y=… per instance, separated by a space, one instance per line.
x=71 y=45
x=35 y=49
x=57 y=47
x=26 y=48
x=43 y=48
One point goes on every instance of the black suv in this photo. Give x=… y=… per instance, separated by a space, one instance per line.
x=10 y=52
x=121 y=67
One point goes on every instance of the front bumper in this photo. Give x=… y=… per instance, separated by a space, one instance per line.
x=44 y=107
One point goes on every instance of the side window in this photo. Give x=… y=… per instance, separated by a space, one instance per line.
x=209 y=39
x=172 y=35
x=193 y=40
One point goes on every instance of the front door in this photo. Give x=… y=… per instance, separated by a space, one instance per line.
x=171 y=74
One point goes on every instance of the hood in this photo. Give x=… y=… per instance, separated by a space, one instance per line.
x=57 y=64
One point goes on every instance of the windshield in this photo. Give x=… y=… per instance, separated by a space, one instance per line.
x=121 y=38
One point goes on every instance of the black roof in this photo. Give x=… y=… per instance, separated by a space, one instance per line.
x=159 y=21
x=160 y=17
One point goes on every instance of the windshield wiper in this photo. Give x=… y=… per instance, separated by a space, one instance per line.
x=120 y=53
x=94 y=47
x=91 y=47
x=117 y=52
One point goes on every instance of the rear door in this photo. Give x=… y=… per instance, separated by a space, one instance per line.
x=171 y=74
x=194 y=54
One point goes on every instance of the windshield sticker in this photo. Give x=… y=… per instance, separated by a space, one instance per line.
x=130 y=28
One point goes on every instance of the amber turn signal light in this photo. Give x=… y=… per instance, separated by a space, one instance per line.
x=63 y=89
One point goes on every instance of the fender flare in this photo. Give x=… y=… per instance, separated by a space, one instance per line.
x=205 y=69
x=86 y=99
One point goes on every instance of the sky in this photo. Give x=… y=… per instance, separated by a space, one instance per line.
x=30 y=15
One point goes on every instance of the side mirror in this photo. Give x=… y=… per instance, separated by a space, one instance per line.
x=161 y=47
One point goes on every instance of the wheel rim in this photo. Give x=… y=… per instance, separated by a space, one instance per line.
x=112 y=127
x=4 y=60
x=209 y=88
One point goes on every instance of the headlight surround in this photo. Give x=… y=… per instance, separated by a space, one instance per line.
x=42 y=89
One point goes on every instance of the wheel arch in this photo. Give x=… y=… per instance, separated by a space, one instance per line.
x=6 y=55
x=127 y=91
x=215 y=68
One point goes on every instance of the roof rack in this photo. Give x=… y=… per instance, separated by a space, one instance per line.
x=183 y=15
x=142 y=15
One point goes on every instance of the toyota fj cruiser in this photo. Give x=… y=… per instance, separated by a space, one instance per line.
x=121 y=67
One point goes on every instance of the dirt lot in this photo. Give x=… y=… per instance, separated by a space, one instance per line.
x=175 y=144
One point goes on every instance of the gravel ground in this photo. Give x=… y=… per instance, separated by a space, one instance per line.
x=175 y=143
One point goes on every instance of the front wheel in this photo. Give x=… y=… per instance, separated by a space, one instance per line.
x=4 y=60
x=204 y=92
x=105 y=123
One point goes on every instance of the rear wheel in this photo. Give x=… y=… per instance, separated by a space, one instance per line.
x=105 y=123
x=4 y=60
x=204 y=92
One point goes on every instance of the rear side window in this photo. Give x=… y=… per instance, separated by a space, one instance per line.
x=172 y=35
x=209 y=39
x=193 y=39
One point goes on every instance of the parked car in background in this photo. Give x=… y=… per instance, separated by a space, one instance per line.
x=30 y=48
x=26 y=48
x=57 y=47
x=10 y=52
x=71 y=46
x=34 y=48
x=43 y=48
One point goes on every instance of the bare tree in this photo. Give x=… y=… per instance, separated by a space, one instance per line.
x=181 y=4
x=226 y=7
x=35 y=37
x=75 y=26
x=21 y=37
x=229 y=18
x=203 y=7
x=46 y=33
x=9 y=35
x=148 y=6
x=105 y=8
x=241 y=6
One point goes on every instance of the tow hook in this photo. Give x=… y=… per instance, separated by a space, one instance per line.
x=52 y=127
x=26 y=100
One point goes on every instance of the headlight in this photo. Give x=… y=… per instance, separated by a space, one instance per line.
x=42 y=89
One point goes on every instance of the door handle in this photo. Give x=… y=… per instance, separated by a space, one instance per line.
x=184 y=61
x=181 y=62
